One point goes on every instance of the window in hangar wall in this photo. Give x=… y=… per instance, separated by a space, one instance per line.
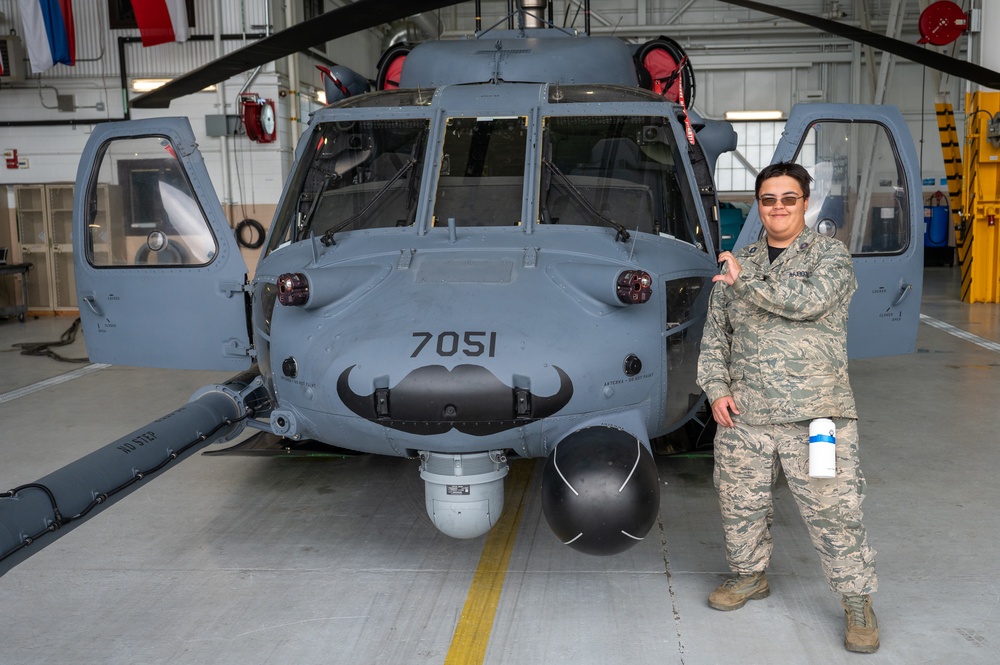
x=756 y=143
x=121 y=15
x=734 y=180
x=312 y=9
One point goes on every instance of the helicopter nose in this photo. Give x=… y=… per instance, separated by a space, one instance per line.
x=600 y=490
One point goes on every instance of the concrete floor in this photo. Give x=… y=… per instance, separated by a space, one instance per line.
x=251 y=561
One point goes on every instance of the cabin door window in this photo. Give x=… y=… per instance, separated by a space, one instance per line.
x=155 y=218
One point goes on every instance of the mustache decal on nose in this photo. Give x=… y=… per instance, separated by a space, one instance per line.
x=469 y=398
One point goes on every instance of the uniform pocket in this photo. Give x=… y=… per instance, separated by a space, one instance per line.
x=809 y=370
x=803 y=381
x=736 y=371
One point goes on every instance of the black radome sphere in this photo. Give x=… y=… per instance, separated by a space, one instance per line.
x=600 y=490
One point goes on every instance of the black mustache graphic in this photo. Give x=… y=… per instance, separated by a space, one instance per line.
x=469 y=398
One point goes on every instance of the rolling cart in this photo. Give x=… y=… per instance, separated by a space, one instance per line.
x=16 y=269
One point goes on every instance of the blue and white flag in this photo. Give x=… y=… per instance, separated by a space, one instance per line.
x=48 y=33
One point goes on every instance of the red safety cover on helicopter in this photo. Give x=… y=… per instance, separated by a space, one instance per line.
x=394 y=73
x=665 y=72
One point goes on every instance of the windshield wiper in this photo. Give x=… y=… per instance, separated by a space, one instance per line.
x=622 y=235
x=313 y=205
x=327 y=238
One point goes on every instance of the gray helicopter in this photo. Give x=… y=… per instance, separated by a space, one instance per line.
x=504 y=251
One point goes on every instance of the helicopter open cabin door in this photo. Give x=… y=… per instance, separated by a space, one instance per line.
x=866 y=191
x=159 y=276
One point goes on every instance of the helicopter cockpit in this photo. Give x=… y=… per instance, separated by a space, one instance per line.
x=614 y=168
x=363 y=174
x=586 y=163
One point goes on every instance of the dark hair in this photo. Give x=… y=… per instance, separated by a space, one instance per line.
x=790 y=169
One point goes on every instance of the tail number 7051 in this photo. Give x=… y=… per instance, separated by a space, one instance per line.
x=471 y=343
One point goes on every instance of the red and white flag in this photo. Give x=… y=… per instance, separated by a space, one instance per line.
x=161 y=21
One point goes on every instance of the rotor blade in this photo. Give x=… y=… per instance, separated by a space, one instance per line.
x=357 y=16
x=933 y=59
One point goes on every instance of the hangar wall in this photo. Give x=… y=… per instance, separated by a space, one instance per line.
x=743 y=60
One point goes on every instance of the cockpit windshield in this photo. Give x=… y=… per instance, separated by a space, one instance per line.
x=482 y=171
x=618 y=171
x=364 y=174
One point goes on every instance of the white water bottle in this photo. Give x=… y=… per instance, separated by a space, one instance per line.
x=822 y=448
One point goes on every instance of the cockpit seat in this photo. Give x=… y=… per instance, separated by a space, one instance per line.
x=388 y=164
x=617 y=165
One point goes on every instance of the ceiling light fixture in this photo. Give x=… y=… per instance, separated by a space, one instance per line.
x=755 y=115
x=146 y=85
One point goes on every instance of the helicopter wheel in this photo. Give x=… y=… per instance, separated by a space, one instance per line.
x=695 y=437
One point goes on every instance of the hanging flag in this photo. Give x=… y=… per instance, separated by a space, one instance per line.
x=48 y=33
x=67 y=11
x=161 y=21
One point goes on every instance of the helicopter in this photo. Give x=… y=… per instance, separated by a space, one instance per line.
x=503 y=251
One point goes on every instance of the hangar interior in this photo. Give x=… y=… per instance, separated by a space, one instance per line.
x=333 y=559
x=744 y=62
x=316 y=559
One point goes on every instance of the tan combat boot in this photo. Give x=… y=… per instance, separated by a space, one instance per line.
x=735 y=593
x=862 y=626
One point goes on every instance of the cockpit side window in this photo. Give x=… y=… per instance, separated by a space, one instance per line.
x=618 y=168
x=362 y=174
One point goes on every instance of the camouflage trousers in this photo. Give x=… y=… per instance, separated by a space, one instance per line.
x=746 y=467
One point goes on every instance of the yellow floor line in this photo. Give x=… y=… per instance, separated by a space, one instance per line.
x=472 y=634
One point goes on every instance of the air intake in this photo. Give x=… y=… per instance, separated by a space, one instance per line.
x=12 y=57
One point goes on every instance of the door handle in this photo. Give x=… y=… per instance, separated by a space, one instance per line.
x=92 y=304
x=904 y=291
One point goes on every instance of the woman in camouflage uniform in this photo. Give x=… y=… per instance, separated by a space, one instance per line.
x=774 y=357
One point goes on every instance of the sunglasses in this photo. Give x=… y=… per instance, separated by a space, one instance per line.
x=788 y=201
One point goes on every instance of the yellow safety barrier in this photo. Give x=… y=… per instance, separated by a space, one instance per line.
x=981 y=199
x=951 y=150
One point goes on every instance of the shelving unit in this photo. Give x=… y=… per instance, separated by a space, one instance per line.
x=45 y=232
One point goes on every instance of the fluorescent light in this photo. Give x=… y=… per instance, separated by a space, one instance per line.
x=146 y=85
x=755 y=115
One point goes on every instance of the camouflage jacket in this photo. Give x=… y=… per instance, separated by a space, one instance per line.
x=777 y=339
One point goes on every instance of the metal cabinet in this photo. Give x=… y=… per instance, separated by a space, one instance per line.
x=44 y=227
